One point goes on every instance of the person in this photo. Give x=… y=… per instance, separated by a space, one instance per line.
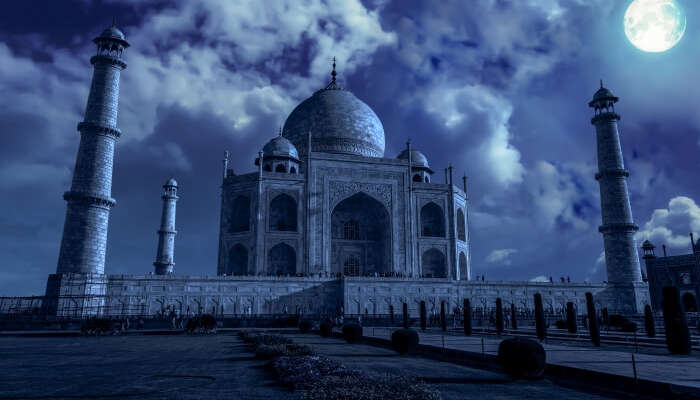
x=140 y=324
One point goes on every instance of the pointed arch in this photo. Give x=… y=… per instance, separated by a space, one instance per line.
x=461 y=226
x=434 y=264
x=282 y=260
x=432 y=220
x=237 y=260
x=361 y=236
x=283 y=213
x=463 y=276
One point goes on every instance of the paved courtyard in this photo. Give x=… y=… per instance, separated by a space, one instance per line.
x=216 y=367
x=133 y=366
x=679 y=370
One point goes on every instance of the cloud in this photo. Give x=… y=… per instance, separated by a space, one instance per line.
x=540 y=278
x=476 y=108
x=598 y=268
x=501 y=256
x=563 y=195
x=671 y=226
x=241 y=61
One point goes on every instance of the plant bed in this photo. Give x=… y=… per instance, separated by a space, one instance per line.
x=303 y=372
x=352 y=333
x=205 y=323
x=367 y=387
x=320 y=377
x=256 y=339
x=522 y=358
x=305 y=326
x=269 y=352
x=404 y=340
x=325 y=329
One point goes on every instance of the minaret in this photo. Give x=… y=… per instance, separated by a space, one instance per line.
x=90 y=199
x=618 y=228
x=166 y=234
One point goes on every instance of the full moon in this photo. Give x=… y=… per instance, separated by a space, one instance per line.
x=654 y=25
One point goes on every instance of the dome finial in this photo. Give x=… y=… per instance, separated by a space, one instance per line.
x=280 y=134
x=601 y=83
x=333 y=73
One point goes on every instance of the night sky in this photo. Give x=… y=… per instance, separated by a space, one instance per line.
x=497 y=88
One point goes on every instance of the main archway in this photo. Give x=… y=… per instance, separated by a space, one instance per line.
x=360 y=237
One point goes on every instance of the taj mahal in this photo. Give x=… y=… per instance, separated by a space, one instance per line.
x=324 y=222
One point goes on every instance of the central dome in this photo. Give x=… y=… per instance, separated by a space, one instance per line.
x=338 y=122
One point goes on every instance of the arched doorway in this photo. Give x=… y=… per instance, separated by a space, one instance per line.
x=433 y=264
x=432 y=220
x=237 y=260
x=689 y=302
x=283 y=213
x=360 y=234
x=282 y=260
x=463 y=276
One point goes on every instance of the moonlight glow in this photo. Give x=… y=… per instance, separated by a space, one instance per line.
x=654 y=25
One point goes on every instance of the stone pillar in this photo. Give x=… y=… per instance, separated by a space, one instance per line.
x=166 y=234
x=89 y=199
x=618 y=228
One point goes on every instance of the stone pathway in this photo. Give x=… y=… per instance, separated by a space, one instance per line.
x=134 y=366
x=679 y=370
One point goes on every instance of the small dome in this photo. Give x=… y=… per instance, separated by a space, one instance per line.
x=171 y=182
x=647 y=245
x=602 y=95
x=112 y=32
x=280 y=147
x=110 y=37
x=416 y=157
